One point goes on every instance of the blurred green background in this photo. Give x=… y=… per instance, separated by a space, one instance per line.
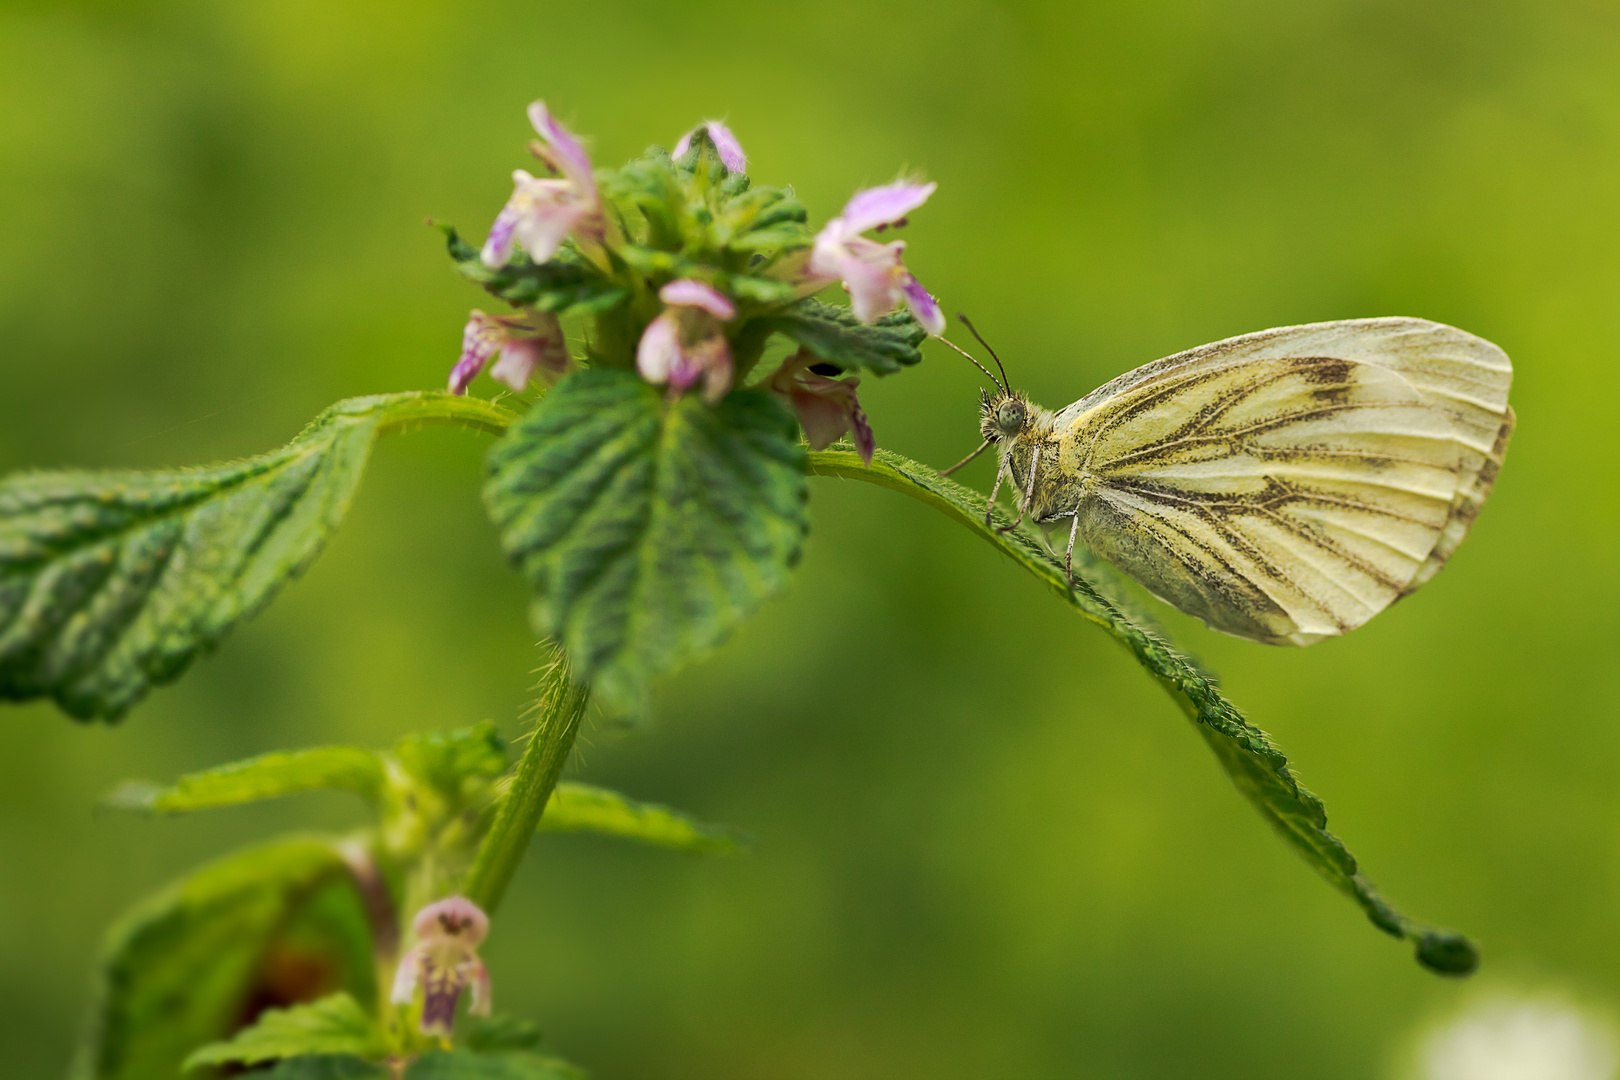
x=987 y=845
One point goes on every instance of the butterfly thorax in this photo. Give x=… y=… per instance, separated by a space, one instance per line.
x=1049 y=485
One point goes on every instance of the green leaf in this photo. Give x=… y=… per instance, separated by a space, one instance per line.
x=457 y=764
x=583 y=808
x=333 y=1025
x=648 y=528
x=1253 y=762
x=565 y=284
x=499 y=1032
x=263 y=926
x=325 y=1067
x=836 y=337
x=270 y=776
x=111 y=583
x=461 y=1065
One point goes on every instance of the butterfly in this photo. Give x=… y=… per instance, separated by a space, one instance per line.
x=1283 y=486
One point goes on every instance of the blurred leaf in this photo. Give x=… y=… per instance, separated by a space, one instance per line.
x=1250 y=758
x=648 y=528
x=193 y=963
x=499 y=1032
x=564 y=284
x=461 y=1065
x=332 y=1025
x=349 y=768
x=837 y=337
x=325 y=1067
x=457 y=764
x=111 y=583
x=583 y=808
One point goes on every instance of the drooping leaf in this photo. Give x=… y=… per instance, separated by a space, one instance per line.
x=334 y=1025
x=111 y=583
x=1252 y=761
x=584 y=808
x=565 y=284
x=269 y=776
x=269 y=925
x=836 y=337
x=648 y=528
x=463 y=1065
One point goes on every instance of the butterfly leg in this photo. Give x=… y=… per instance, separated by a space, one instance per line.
x=990 y=504
x=1029 y=490
x=1068 y=556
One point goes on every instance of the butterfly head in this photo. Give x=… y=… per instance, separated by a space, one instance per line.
x=1003 y=416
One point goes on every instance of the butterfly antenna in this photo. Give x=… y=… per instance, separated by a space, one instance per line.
x=1004 y=383
x=975 y=363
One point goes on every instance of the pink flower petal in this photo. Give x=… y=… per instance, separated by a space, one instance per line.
x=566 y=152
x=689 y=293
x=924 y=308
x=454 y=917
x=502 y=236
x=731 y=151
x=660 y=349
x=872 y=291
x=883 y=205
x=725 y=143
x=477 y=344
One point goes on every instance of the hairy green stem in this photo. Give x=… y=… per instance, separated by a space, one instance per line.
x=562 y=705
x=423 y=408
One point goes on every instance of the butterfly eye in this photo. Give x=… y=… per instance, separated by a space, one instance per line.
x=1010 y=417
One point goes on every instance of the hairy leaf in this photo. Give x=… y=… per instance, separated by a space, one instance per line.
x=269 y=776
x=565 y=284
x=584 y=808
x=1254 y=763
x=836 y=337
x=111 y=583
x=461 y=1065
x=191 y=964
x=648 y=528
x=333 y=1025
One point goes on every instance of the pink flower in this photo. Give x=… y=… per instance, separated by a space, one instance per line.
x=528 y=343
x=542 y=213
x=877 y=279
x=730 y=150
x=827 y=407
x=686 y=343
x=444 y=962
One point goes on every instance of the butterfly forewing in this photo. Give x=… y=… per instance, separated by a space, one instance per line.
x=1289 y=485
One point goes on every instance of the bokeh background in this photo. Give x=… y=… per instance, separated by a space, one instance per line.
x=987 y=845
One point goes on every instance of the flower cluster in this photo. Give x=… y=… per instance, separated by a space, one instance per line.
x=687 y=270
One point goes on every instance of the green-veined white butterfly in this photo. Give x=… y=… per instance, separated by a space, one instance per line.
x=1283 y=486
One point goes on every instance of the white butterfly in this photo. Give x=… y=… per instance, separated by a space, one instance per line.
x=1283 y=486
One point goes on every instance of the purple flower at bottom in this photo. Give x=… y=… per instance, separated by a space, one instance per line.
x=827 y=408
x=686 y=342
x=725 y=143
x=875 y=273
x=530 y=344
x=444 y=962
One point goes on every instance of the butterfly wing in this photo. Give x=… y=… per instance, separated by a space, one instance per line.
x=1288 y=485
